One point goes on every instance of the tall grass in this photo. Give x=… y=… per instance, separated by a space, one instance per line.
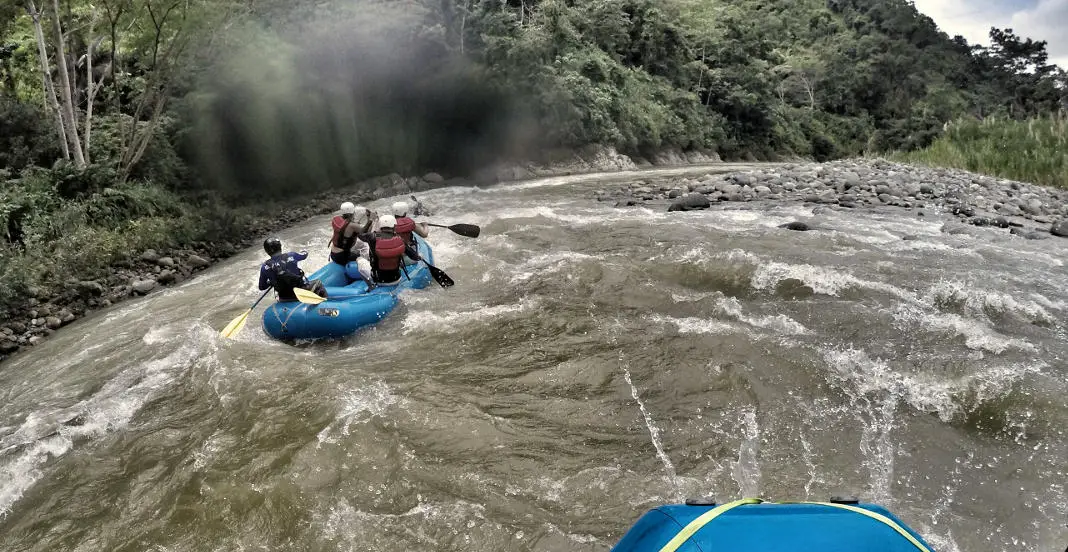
x=1033 y=151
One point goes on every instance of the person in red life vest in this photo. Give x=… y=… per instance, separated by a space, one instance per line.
x=388 y=251
x=406 y=227
x=346 y=247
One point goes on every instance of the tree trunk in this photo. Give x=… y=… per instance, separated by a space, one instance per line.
x=71 y=119
x=91 y=87
x=51 y=103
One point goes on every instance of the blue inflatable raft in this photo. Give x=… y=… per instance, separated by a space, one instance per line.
x=348 y=307
x=751 y=525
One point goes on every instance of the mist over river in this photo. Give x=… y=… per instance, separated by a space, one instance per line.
x=592 y=362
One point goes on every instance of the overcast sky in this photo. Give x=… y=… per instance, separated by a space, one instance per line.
x=1038 y=19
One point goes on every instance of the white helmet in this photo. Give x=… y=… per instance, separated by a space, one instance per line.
x=400 y=209
x=387 y=221
x=361 y=215
x=348 y=208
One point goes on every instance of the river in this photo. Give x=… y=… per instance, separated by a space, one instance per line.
x=591 y=363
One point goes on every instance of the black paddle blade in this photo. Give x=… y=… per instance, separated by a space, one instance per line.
x=467 y=230
x=440 y=277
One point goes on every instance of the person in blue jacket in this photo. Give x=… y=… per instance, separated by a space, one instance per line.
x=283 y=272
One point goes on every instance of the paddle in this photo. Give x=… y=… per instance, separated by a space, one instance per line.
x=308 y=297
x=439 y=275
x=466 y=230
x=236 y=324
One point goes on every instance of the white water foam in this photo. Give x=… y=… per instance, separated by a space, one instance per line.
x=822 y=280
x=746 y=470
x=548 y=263
x=978 y=301
x=108 y=410
x=693 y=325
x=654 y=431
x=977 y=336
x=359 y=406
x=730 y=306
x=417 y=321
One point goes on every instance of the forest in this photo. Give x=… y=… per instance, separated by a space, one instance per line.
x=130 y=124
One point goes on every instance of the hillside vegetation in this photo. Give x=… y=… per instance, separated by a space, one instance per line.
x=128 y=124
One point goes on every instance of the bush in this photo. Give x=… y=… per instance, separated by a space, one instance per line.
x=1030 y=151
x=26 y=137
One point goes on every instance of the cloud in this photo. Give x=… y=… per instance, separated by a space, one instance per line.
x=972 y=19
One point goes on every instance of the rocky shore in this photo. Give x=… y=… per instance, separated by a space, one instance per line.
x=1032 y=212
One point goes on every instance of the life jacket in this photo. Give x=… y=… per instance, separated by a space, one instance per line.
x=389 y=250
x=405 y=227
x=339 y=224
x=284 y=279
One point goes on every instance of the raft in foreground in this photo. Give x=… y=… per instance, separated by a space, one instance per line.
x=347 y=308
x=751 y=525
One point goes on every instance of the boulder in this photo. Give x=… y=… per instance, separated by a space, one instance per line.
x=1028 y=234
x=8 y=345
x=165 y=262
x=53 y=323
x=143 y=286
x=197 y=261
x=1060 y=228
x=691 y=202
x=66 y=316
x=90 y=287
x=796 y=226
x=150 y=256
x=166 y=277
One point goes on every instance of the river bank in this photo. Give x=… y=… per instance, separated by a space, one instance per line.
x=1027 y=210
x=42 y=312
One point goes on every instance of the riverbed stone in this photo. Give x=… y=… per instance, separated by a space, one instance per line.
x=691 y=202
x=1060 y=228
x=196 y=261
x=167 y=262
x=796 y=226
x=143 y=286
x=150 y=256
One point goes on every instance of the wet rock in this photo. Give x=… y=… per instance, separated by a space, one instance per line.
x=910 y=237
x=150 y=256
x=964 y=211
x=166 y=277
x=673 y=194
x=17 y=327
x=196 y=261
x=90 y=287
x=796 y=226
x=66 y=316
x=1029 y=234
x=8 y=345
x=53 y=323
x=628 y=202
x=762 y=190
x=143 y=286
x=743 y=179
x=1060 y=228
x=34 y=340
x=691 y=202
x=167 y=262
x=1033 y=207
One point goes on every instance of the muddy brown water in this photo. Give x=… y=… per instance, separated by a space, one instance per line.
x=590 y=364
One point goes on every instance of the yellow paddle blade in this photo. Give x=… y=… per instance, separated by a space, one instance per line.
x=305 y=296
x=235 y=325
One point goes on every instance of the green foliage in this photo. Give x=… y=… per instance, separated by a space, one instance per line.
x=26 y=138
x=1035 y=150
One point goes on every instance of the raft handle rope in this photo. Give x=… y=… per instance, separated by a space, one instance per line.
x=696 y=525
